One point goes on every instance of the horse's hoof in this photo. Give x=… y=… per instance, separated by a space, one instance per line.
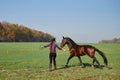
x=92 y=66
x=66 y=66
x=83 y=66
x=101 y=68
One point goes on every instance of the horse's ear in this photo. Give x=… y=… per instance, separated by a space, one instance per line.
x=63 y=37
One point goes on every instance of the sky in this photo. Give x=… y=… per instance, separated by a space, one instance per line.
x=85 y=21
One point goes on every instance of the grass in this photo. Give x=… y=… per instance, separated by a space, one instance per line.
x=27 y=61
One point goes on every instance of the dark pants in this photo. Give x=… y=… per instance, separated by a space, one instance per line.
x=52 y=57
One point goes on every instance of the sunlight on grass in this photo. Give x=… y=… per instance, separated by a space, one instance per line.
x=24 y=61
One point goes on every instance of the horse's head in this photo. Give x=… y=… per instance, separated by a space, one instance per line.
x=64 y=42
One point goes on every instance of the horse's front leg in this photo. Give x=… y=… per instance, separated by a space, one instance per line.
x=81 y=61
x=68 y=60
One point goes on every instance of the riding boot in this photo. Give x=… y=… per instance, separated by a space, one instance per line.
x=50 y=67
x=55 y=66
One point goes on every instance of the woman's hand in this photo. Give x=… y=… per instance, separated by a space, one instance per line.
x=63 y=49
x=42 y=46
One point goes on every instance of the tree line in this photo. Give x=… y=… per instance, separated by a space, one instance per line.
x=19 y=33
x=114 y=40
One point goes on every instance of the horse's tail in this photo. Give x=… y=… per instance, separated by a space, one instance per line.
x=103 y=56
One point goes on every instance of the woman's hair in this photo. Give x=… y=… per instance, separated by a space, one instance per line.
x=53 y=39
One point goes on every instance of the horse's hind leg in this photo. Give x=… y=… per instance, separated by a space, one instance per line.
x=81 y=61
x=94 y=59
x=93 y=62
x=68 y=60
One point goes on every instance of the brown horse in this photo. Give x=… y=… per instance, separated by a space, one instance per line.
x=81 y=50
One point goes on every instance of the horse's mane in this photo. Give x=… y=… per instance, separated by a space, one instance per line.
x=72 y=42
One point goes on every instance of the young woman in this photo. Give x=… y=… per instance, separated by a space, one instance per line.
x=52 y=56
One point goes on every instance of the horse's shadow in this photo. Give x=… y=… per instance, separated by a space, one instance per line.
x=95 y=66
x=85 y=65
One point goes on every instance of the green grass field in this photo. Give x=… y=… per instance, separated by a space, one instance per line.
x=27 y=61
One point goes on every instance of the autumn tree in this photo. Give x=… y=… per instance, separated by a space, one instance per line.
x=20 y=33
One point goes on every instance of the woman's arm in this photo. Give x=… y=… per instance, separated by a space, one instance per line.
x=46 y=46
x=58 y=47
